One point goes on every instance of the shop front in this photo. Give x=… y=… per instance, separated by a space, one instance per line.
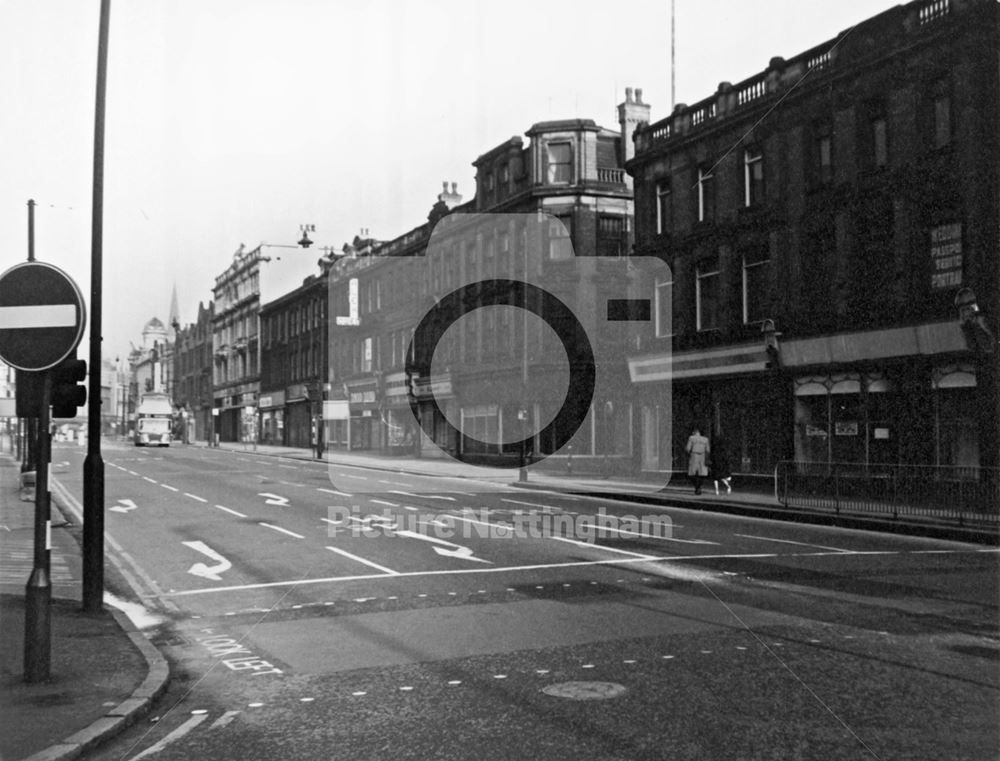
x=299 y=424
x=237 y=417
x=438 y=437
x=898 y=396
x=734 y=393
x=363 y=426
x=272 y=417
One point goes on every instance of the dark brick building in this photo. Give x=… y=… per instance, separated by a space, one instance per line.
x=820 y=219
x=192 y=376
x=294 y=359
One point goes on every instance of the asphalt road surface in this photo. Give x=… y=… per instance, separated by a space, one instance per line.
x=353 y=613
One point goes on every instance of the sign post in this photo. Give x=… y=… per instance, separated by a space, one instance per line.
x=41 y=321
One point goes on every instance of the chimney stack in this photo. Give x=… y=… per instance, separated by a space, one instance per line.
x=631 y=114
x=451 y=198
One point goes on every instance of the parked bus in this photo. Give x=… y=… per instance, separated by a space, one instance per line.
x=153 y=421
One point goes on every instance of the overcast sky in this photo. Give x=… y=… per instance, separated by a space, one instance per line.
x=235 y=121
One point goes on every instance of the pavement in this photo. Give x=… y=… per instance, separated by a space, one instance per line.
x=105 y=674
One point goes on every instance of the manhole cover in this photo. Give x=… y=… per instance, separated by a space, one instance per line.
x=585 y=690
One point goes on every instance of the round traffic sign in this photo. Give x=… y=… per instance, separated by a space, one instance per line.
x=42 y=316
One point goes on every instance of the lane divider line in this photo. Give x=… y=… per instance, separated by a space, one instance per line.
x=234 y=512
x=147 y=478
x=334 y=491
x=195 y=496
x=789 y=541
x=369 y=563
x=168 y=486
x=177 y=734
x=282 y=530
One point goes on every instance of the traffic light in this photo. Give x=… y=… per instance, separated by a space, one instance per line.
x=28 y=392
x=67 y=395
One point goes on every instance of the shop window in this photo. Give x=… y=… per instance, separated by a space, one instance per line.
x=753 y=176
x=481 y=428
x=957 y=427
x=560 y=163
x=707 y=295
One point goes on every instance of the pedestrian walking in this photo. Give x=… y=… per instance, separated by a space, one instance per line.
x=698 y=449
x=721 y=469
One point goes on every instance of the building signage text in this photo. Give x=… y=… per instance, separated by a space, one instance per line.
x=946 y=256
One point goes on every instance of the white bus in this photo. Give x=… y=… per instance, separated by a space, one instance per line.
x=153 y=421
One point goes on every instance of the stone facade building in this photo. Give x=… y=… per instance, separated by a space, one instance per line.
x=820 y=219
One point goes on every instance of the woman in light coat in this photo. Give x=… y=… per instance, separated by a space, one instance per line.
x=697 y=448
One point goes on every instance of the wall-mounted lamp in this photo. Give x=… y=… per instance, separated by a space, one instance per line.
x=770 y=332
x=978 y=335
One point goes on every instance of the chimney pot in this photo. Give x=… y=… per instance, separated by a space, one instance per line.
x=454 y=187
x=628 y=94
x=638 y=95
x=444 y=186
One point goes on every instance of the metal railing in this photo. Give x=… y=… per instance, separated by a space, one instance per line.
x=934 y=493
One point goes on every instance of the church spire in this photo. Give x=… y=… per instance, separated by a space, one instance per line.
x=174 y=319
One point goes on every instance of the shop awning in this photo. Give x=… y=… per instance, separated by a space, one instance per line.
x=704 y=363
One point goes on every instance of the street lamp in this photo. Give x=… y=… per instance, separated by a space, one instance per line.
x=771 y=346
x=978 y=335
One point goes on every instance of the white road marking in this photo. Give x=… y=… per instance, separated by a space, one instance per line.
x=147 y=478
x=401 y=574
x=234 y=512
x=376 y=566
x=598 y=527
x=334 y=491
x=227 y=717
x=360 y=478
x=602 y=547
x=195 y=496
x=521 y=568
x=274 y=499
x=447 y=548
x=132 y=472
x=383 y=502
x=167 y=486
x=789 y=541
x=401 y=493
x=438 y=496
x=208 y=572
x=126 y=505
x=177 y=734
x=282 y=530
x=530 y=504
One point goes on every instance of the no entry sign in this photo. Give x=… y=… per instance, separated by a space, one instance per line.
x=41 y=316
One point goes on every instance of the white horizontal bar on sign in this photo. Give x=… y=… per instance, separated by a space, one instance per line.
x=38 y=316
